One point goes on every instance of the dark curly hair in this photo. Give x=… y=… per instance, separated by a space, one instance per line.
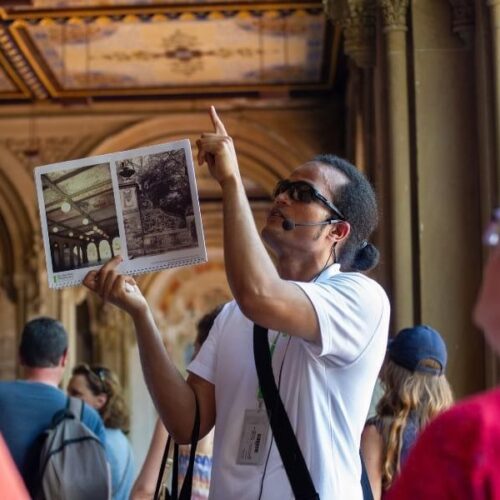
x=357 y=202
x=102 y=380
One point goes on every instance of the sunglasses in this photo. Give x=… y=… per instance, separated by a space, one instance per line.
x=305 y=193
x=492 y=234
x=96 y=374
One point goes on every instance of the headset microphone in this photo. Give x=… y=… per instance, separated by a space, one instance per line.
x=289 y=224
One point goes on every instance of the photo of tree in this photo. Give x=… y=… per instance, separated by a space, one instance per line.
x=156 y=203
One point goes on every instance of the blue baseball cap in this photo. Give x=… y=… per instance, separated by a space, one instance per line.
x=412 y=345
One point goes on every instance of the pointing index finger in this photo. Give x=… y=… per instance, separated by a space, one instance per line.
x=217 y=122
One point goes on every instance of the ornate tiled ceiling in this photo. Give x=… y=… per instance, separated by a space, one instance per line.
x=104 y=48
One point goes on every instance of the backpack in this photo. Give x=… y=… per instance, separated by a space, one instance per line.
x=73 y=462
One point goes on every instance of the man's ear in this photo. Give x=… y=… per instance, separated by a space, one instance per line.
x=64 y=358
x=339 y=231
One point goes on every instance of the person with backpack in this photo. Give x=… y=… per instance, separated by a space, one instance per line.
x=31 y=407
x=100 y=388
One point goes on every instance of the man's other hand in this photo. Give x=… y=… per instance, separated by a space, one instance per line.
x=113 y=287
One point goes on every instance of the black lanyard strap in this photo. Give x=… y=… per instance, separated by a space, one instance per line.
x=188 y=479
x=284 y=435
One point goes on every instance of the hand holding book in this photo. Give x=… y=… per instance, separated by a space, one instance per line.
x=113 y=287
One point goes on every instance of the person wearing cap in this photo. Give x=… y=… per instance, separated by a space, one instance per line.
x=458 y=455
x=415 y=391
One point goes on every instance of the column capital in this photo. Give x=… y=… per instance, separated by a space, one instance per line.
x=463 y=18
x=394 y=14
x=492 y=3
x=357 y=19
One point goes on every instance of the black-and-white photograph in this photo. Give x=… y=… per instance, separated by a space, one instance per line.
x=82 y=225
x=141 y=204
x=156 y=203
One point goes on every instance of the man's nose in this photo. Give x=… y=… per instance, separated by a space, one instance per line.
x=282 y=198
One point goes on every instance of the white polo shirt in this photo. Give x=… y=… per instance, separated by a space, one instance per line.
x=326 y=389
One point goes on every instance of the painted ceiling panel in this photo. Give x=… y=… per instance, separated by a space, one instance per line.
x=172 y=47
x=183 y=52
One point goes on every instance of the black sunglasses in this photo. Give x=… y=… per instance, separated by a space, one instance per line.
x=303 y=191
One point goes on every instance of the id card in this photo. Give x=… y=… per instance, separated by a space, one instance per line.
x=253 y=438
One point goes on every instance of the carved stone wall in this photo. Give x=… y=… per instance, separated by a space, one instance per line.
x=436 y=107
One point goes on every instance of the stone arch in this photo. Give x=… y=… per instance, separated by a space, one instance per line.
x=22 y=288
x=264 y=155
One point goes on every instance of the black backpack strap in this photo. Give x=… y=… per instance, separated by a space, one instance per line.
x=162 y=471
x=187 y=485
x=286 y=442
x=75 y=407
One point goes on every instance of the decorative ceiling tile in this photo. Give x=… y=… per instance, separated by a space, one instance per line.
x=179 y=50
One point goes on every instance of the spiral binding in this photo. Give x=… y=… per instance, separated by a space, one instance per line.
x=188 y=261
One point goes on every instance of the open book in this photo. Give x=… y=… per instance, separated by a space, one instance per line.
x=141 y=204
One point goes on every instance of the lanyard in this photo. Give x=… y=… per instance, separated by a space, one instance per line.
x=272 y=347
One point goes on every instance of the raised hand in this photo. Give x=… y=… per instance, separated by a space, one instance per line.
x=113 y=287
x=217 y=150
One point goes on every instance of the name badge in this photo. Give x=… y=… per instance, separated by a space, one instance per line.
x=253 y=438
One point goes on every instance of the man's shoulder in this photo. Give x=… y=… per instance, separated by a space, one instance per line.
x=24 y=388
x=357 y=279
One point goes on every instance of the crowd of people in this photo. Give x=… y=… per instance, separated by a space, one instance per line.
x=312 y=378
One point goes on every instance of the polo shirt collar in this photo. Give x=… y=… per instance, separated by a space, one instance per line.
x=328 y=273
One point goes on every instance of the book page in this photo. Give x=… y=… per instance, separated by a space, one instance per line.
x=141 y=204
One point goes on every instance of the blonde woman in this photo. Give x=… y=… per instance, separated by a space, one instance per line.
x=416 y=391
x=100 y=388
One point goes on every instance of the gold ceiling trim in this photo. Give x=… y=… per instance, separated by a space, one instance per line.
x=150 y=10
x=22 y=91
x=16 y=68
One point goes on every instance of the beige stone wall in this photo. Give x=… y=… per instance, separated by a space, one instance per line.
x=447 y=208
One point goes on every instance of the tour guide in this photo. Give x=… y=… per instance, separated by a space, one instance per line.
x=327 y=329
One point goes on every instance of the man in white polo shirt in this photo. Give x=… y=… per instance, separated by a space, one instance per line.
x=327 y=329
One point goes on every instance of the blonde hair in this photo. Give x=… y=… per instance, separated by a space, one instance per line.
x=418 y=394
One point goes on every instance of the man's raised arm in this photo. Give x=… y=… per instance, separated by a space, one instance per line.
x=262 y=295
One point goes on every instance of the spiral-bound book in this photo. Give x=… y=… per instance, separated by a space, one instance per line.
x=141 y=204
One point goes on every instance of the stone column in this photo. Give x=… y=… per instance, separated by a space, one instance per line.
x=462 y=19
x=357 y=18
x=394 y=22
x=494 y=6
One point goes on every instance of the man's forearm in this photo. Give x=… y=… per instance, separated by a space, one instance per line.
x=250 y=270
x=173 y=397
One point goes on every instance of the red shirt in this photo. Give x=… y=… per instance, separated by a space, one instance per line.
x=11 y=484
x=457 y=456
